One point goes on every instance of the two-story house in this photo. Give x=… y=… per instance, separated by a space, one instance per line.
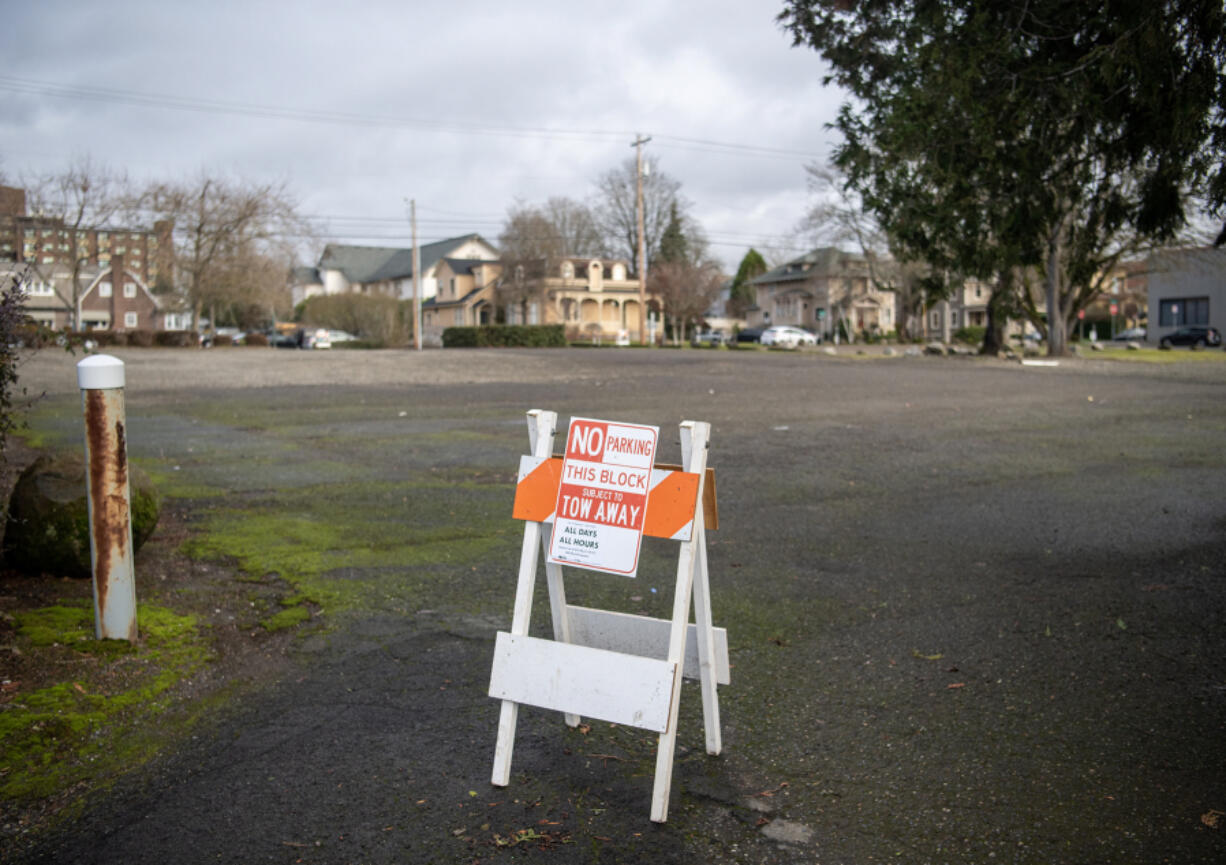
x=820 y=291
x=382 y=270
x=594 y=298
x=464 y=296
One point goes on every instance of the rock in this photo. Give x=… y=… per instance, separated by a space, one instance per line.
x=913 y=351
x=935 y=348
x=787 y=832
x=888 y=351
x=829 y=350
x=48 y=518
x=1097 y=346
x=1134 y=346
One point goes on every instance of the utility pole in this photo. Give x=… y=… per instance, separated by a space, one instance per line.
x=639 y=141
x=416 y=277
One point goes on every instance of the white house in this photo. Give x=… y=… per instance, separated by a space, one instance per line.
x=1186 y=286
x=382 y=270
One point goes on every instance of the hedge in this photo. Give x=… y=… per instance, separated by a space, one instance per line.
x=506 y=336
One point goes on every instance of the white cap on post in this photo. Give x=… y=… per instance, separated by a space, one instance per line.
x=100 y=372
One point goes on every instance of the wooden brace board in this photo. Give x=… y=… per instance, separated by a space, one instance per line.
x=640 y=635
x=610 y=686
x=670 y=502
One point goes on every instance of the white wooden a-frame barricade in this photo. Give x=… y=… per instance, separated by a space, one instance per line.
x=614 y=666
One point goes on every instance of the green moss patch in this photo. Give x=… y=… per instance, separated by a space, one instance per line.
x=92 y=729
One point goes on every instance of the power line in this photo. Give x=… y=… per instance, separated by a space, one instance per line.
x=307 y=115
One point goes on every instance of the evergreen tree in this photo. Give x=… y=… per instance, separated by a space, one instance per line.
x=996 y=138
x=742 y=294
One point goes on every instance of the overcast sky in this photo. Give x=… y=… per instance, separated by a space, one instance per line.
x=464 y=106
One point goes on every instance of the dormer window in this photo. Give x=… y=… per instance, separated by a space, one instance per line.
x=568 y=270
x=595 y=269
x=619 y=272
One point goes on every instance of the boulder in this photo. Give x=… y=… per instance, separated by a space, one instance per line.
x=936 y=348
x=47 y=531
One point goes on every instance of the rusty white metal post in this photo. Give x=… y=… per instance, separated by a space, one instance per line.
x=101 y=379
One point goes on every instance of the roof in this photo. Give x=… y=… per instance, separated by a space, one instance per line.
x=379 y=263
x=305 y=275
x=434 y=302
x=824 y=260
x=466 y=266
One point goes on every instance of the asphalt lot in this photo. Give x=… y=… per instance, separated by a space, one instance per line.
x=975 y=611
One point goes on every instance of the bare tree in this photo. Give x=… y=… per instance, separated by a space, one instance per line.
x=84 y=196
x=616 y=210
x=225 y=233
x=686 y=289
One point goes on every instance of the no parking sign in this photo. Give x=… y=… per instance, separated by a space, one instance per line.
x=602 y=496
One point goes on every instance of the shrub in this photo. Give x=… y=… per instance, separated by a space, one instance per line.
x=222 y=339
x=376 y=318
x=106 y=338
x=31 y=334
x=970 y=335
x=257 y=339
x=176 y=338
x=141 y=338
x=505 y=336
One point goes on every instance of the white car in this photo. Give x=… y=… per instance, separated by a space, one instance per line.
x=787 y=336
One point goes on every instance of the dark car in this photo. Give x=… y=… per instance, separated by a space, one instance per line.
x=749 y=334
x=1200 y=336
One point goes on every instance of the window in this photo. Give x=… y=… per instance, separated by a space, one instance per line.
x=533 y=314
x=104 y=289
x=459 y=315
x=130 y=319
x=568 y=270
x=953 y=318
x=452 y=286
x=619 y=272
x=129 y=289
x=934 y=319
x=1178 y=311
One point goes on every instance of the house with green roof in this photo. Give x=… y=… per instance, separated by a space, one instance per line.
x=384 y=270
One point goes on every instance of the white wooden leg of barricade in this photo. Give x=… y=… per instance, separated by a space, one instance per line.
x=542 y=426
x=706 y=638
x=694 y=436
x=557 y=606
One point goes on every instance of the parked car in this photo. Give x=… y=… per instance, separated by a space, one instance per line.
x=1197 y=335
x=749 y=334
x=786 y=336
x=340 y=336
x=708 y=337
x=1133 y=333
x=319 y=338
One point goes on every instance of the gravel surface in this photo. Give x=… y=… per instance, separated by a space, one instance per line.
x=975 y=610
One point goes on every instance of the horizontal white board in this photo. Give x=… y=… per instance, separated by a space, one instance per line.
x=579 y=680
x=641 y=635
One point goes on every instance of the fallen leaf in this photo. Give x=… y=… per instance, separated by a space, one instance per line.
x=916 y=653
x=77 y=685
x=957 y=685
x=1212 y=818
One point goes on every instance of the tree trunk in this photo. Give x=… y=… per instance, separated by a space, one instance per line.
x=1057 y=325
x=999 y=302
